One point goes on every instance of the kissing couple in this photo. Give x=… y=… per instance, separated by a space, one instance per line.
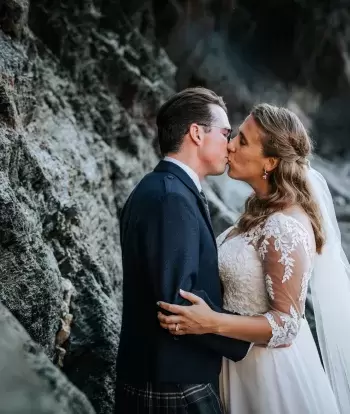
x=217 y=325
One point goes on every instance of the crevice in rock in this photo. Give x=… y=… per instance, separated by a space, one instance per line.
x=63 y=334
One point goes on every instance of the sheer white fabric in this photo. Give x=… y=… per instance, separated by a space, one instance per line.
x=266 y=272
x=330 y=288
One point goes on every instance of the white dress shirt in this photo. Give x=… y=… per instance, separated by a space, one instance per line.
x=193 y=175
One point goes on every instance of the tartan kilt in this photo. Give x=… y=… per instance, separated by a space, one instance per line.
x=167 y=398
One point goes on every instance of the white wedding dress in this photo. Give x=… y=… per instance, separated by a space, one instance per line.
x=266 y=272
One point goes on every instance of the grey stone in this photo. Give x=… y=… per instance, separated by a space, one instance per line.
x=29 y=383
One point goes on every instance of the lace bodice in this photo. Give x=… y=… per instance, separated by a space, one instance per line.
x=266 y=272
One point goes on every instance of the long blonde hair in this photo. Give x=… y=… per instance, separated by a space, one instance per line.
x=285 y=138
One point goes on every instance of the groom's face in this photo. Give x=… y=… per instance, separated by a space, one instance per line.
x=213 y=152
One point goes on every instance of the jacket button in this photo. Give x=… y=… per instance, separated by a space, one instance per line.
x=171 y=177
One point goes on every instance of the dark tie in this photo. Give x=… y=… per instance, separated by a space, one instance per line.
x=205 y=201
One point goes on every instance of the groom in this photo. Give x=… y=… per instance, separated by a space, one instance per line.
x=168 y=244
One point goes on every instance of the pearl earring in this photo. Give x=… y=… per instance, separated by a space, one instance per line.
x=265 y=175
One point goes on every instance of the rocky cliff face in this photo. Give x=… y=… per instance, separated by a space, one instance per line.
x=80 y=85
x=78 y=97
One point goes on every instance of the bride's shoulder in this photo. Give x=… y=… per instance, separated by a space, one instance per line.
x=289 y=221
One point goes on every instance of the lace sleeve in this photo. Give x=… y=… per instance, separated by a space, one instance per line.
x=285 y=252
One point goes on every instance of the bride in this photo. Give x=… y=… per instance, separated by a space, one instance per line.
x=286 y=239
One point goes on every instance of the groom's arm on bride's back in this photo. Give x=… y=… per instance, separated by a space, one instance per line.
x=172 y=243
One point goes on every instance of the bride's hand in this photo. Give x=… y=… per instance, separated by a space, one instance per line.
x=196 y=319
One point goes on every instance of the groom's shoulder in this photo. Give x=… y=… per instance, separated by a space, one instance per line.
x=163 y=183
x=162 y=188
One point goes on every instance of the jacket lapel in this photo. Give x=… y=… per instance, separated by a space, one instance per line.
x=165 y=166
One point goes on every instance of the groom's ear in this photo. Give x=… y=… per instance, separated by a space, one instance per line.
x=196 y=133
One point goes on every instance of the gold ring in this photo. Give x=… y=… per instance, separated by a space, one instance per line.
x=176 y=327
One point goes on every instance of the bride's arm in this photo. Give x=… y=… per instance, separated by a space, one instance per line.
x=286 y=264
x=200 y=319
x=249 y=328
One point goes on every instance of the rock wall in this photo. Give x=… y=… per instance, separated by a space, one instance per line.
x=78 y=98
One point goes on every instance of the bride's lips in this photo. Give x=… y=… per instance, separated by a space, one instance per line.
x=230 y=163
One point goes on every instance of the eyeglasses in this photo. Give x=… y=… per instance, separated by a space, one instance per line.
x=227 y=134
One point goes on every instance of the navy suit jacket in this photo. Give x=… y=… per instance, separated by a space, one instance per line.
x=168 y=243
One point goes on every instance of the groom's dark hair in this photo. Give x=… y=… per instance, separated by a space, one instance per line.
x=180 y=111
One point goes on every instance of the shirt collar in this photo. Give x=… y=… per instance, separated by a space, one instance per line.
x=193 y=175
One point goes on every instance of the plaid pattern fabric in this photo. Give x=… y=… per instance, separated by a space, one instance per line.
x=168 y=399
